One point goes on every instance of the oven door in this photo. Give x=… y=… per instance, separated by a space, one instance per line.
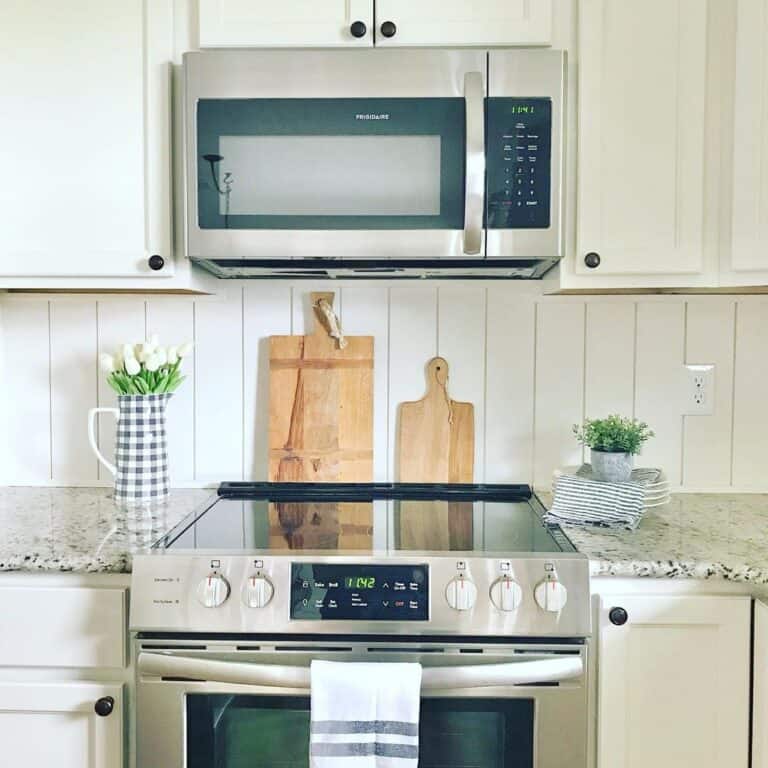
x=217 y=705
x=335 y=154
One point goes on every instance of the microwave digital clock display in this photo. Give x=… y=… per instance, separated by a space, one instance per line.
x=352 y=592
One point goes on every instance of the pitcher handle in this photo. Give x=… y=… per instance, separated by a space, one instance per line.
x=92 y=434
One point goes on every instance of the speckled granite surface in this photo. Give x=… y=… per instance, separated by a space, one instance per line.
x=80 y=529
x=700 y=536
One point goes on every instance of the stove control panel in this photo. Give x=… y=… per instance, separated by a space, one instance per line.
x=359 y=592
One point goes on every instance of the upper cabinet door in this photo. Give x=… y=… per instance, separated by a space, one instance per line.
x=455 y=23
x=84 y=110
x=641 y=137
x=673 y=681
x=285 y=23
x=749 y=242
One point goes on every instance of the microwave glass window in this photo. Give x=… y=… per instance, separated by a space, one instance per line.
x=330 y=163
x=331 y=175
x=235 y=731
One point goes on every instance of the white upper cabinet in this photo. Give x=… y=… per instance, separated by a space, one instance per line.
x=285 y=24
x=453 y=23
x=85 y=138
x=642 y=103
x=673 y=681
x=749 y=236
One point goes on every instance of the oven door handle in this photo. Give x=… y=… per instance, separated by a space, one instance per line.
x=474 y=98
x=554 y=670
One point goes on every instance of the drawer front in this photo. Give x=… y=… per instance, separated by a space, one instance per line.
x=62 y=627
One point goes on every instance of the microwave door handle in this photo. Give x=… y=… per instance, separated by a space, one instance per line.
x=475 y=163
x=554 y=670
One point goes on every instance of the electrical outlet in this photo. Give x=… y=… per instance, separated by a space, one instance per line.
x=700 y=390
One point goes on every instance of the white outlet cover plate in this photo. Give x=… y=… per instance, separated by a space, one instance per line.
x=699 y=394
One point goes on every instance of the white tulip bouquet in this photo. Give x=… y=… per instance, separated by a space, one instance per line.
x=146 y=368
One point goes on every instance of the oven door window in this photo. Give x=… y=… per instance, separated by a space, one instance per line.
x=228 y=731
x=330 y=163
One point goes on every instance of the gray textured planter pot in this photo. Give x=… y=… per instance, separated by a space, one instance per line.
x=612 y=467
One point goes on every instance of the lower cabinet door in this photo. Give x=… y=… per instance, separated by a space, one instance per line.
x=673 y=682
x=66 y=725
x=760 y=689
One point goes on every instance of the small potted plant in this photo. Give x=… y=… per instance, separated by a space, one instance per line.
x=614 y=441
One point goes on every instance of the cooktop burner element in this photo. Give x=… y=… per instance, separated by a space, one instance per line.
x=363 y=559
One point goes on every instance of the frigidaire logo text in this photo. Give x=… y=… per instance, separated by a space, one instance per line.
x=372 y=116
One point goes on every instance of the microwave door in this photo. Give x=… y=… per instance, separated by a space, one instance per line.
x=373 y=155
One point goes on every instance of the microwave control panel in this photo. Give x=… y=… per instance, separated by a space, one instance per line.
x=519 y=162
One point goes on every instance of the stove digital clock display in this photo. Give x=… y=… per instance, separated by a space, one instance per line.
x=355 y=592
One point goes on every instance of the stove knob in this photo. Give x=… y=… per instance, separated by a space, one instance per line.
x=550 y=595
x=506 y=594
x=213 y=591
x=258 y=591
x=461 y=593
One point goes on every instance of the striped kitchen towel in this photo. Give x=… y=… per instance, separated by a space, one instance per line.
x=580 y=499
x=364 y=715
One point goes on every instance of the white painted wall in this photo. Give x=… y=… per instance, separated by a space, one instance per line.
x=531 y=364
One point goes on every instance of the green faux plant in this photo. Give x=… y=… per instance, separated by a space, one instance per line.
x=615 y=434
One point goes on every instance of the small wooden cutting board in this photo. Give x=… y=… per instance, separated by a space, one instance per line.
x=321 y=430
x=436 y=444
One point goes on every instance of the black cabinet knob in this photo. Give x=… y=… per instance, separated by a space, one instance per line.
x=156 y=262
x=592 y=260
x=358 y=29
x=104 y=706
x=618 y=616
x=388 y=29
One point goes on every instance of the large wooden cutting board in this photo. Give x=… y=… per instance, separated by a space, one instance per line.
x=436 y=444
x=321 y=430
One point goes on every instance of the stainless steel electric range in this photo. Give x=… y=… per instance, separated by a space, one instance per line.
x=232 y=605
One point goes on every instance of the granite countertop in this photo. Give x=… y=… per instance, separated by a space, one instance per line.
x=699 y=536
x=80 y=529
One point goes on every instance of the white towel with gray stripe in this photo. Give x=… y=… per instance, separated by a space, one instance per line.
x=364 y=715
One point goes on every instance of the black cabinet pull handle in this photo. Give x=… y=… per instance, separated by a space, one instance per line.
x=592 y=260
x=104 y=706
x=358 y=29
x=618 y=616
x=156 y=262
x=388 y=29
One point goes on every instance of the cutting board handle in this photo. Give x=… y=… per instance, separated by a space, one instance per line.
x=437 y=374
x=326 y=320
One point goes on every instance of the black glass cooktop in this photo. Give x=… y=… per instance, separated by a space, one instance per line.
x=346 y=518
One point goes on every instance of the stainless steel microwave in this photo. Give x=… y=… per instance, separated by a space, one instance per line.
x=374 y=163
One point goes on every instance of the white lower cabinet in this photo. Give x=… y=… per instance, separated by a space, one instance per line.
x=673 y=681
x=760 y=689
x=56 y=724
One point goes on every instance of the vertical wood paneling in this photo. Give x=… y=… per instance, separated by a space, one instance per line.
x=509 y=387
x=707 y=439
x=173 y=320
x=365 y=312
x=750 y=418
x=26 y=392
x=120 y=321
x=559 y=387
x=610 y=359
x=219 y=386
x=412 y=343
x=266 y=312
x=658 y=377
x=461 y=341
x=73 y=389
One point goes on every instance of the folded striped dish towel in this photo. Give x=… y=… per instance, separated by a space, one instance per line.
x=364 y=715
x=579 y=498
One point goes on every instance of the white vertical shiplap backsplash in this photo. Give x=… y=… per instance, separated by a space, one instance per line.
x=532 y=365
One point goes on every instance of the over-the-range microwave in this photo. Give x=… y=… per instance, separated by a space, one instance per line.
x=374 y=163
